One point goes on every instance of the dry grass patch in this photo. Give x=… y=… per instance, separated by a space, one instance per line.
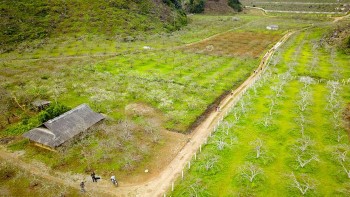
x=247 y=44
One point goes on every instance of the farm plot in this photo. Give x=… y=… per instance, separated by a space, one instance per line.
x=199 y=27
x=144 y=93
x=246 y=44
x=286 y=136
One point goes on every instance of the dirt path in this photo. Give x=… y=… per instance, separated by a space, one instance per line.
x=336 y=19
x=295 y=12
x=160 y=184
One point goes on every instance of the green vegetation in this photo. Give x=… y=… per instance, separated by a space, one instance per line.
x=286 y=136
x=16 y=182
x=23 y=20
x=235 y=4
x=177 y=86
x=194 y=6
x=29 y=122
x=125 y=59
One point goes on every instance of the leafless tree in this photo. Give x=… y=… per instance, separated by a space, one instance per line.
x=233 y=140
x=307 y=81
x=257 y=145
x=304 y=101
x=303 y=183
x=210 y=162
x=226 y=126
x=346 y=168
x=341 y=155
x=250 y=171
x=237 y=115
x=243 y=106
x=267 y=121
x=220 y=143
x=302 y=122
x=278 y=90
x=304 y=159
x=303 y=144
x=340 y=152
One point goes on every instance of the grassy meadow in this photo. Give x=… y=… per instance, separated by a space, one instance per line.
x=143 y=92
x=17 y=182
x=150 y=84
x=285 y=137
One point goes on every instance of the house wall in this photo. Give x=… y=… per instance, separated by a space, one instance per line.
x=43 y=146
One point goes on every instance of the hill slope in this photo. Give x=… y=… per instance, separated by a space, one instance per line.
x=217 y=6
x=25 y=20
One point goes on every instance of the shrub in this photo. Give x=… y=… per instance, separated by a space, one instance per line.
x=53 y=111
x=197 y=6
x=235 y=4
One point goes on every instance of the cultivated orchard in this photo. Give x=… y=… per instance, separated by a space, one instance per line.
x=290 y=137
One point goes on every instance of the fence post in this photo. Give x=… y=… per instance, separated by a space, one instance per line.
x=189 y=164
x=172 y=186
x=182 y=175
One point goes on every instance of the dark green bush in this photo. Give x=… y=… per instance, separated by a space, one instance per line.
x=235 y=4
x=29 y=123
x=53 y=111
x=196 y=6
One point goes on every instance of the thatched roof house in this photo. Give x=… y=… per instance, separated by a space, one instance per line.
x=57 y=131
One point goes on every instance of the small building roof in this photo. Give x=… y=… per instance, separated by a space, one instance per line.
x=39 y=103
x=56 y=131
x=272 y=27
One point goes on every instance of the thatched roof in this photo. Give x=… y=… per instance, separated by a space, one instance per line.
x=55 y=132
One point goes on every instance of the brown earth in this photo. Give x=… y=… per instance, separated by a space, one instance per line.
x=217 y=7
x=246 y=44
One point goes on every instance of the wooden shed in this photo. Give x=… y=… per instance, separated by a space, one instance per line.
x=59 y=130
x=39 y=105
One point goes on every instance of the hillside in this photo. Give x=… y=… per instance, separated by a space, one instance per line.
x=27 y=20
x=217 y=6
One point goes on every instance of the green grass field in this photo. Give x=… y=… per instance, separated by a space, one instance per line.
x=17 y=182
x=123 y=76
x=221 y=172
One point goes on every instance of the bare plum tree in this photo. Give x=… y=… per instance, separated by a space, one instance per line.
x=341 y=155
x=220 y=143
x=257 y=145
x=250 y=171
x=209 y=162
x=303 y=183
x=303 y=159
x=303 y=144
